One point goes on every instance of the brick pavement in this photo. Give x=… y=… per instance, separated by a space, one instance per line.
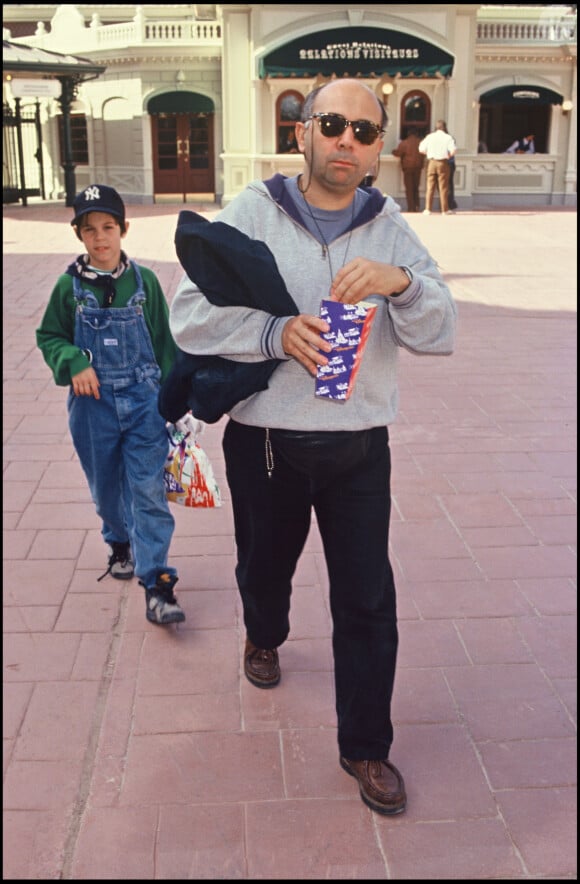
x=136 y=752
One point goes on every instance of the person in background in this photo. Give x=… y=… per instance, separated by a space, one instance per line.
x=371 y=175
x=288 y=142
x=438 y=146
x=287 y=451
x=451 y=198
x=522 y=145
x=105 y=335
x=412 y=162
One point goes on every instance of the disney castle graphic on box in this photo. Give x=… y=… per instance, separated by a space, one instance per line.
x=350 y=325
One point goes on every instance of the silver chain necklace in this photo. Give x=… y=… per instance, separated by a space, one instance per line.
x=325 y=244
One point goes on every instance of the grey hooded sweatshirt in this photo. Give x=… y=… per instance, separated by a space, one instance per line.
x=422 y=319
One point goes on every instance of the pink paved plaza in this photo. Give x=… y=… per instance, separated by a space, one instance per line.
x=138 y=752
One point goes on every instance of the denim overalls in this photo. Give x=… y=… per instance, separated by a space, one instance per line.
x=120 y=439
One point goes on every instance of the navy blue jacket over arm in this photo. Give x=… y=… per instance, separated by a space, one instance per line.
x=231 y=269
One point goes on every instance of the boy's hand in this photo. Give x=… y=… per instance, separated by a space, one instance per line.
x=86 y=383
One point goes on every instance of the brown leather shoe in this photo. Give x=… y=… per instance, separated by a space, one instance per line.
x=261 y=666
x=380 y=783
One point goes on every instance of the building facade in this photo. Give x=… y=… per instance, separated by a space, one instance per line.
x=198 y=99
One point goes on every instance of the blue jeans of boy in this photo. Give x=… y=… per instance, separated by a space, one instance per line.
x=120 y=438
x=122 y=445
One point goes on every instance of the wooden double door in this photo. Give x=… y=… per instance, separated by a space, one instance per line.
x=183 y=153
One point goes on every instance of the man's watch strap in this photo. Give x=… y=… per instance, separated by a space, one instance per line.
x=408 y=272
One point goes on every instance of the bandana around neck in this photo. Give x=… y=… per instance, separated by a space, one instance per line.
x=104 y=279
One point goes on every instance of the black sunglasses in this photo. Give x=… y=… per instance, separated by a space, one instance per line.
x=332 y=125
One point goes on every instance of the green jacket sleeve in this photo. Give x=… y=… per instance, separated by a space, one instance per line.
x=55 y=336
x=157 y=319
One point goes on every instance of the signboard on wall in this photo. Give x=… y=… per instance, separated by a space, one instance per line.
x=353 y=51
x=22 y=88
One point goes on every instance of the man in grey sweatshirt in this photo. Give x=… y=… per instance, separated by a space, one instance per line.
x=288 y=451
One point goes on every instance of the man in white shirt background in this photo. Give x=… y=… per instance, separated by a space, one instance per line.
x=438 y=147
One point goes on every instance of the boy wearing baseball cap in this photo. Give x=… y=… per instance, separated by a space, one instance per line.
x=105 y=335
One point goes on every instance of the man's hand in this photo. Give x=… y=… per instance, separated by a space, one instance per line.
x=301 y=338
x=86 y=383
x=190 y=425
x=360 y=278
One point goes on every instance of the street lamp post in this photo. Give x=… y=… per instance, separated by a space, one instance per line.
x=67 y=96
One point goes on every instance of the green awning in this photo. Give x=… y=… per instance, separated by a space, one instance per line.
x=356 y=52
x=180 y=103
x=525 y=95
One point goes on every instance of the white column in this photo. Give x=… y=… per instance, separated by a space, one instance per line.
x=571 y=173
x=238 y=101
x=459 y=121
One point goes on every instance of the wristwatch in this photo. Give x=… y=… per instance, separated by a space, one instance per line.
x=409 y=276
x=408 y=272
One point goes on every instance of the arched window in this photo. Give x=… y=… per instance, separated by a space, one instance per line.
x=415 y=111
x=508 y=113
x=288 y=110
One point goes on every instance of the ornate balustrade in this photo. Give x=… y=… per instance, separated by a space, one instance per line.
x=139 y=32
x=548 y=31
x=541 y=29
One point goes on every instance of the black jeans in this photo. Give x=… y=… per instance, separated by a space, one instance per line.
x=345 y=477
x=452 y=201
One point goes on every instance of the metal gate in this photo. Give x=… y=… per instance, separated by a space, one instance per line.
x=22 y=168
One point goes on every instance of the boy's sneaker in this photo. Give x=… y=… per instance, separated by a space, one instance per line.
x=120 y=565
x=162 y=605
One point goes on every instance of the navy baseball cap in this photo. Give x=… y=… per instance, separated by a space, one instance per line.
x=98 y=198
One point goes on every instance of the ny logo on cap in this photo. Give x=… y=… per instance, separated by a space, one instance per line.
x=92 y=193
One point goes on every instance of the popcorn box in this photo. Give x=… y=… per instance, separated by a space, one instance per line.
x=350 y=325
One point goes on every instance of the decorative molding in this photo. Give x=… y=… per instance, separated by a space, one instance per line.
x=355 y=17
x=523 y=59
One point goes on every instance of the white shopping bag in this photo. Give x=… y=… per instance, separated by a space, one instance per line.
x=189 y=476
